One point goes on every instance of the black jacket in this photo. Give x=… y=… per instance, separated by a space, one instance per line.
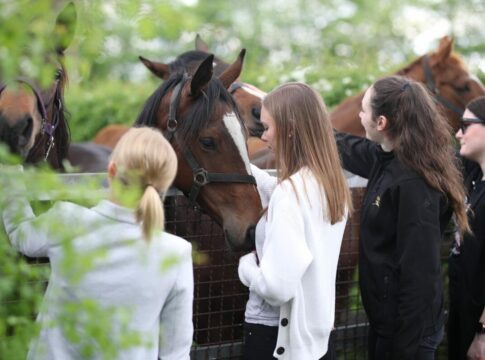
x=467 y=269
x=472 y=257
x=402 y=225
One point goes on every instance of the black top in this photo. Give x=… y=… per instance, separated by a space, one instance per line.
x=402 y=225
x=471 y=259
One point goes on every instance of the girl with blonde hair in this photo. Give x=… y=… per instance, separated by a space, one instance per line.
x=123 y=242
x=291 y=277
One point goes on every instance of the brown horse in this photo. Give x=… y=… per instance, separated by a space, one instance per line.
x=247 y=97
x=200 y=118
x=32 y=118
x=444 y=74
x=442 y=71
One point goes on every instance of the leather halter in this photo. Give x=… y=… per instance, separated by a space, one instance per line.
x=200 y=176
x=434 y=90
x=234 y=87
x=47 y=128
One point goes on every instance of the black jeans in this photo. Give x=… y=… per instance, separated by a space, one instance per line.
x=260 y=342
x=380 y=347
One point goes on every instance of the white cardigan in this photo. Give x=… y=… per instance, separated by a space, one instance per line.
x=298 y=269
x=152 y=281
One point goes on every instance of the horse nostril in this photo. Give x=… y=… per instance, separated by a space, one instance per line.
x=256 y=112
x=250 y=238
x=24 y=130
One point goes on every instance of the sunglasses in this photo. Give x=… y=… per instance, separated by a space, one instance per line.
x=466 y=122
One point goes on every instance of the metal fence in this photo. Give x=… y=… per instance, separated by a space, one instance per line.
x=220 y=298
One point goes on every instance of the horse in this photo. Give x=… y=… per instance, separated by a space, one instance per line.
x=202 y=122
x=33 y=121
x=247 y=96
x=442 y=72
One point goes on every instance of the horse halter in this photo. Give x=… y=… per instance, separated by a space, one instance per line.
x=430 y=84
x=200 y=176
x=47 y=128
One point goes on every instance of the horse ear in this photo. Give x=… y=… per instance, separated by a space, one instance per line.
x=65 y=28
x=444 y=51
x=160 y=70
x=202 y=76
x=233 y=71
x=200 y=44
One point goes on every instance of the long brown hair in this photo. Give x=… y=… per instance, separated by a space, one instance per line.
x=144 y=159
x=304 y=137
x=421 y=137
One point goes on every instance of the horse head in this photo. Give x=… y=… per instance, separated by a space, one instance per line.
x=247 y=97
x=441 y=71
x=447 y=78
x=202 y=122
x=32 y=117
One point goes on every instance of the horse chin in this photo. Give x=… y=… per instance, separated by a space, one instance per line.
x=236 y=243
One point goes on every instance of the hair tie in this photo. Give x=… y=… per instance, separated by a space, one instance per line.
x=405 y=85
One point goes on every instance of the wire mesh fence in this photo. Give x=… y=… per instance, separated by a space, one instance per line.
x=220 y=298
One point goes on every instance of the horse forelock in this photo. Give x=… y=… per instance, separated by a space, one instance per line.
x=208 y=109
x=200 y=112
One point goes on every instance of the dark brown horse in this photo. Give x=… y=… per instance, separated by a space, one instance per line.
x=32 y=118
x=200 y=118
x=247 y=97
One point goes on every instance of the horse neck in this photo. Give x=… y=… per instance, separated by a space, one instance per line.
x=345 y=116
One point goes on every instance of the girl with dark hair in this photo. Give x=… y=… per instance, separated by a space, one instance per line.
x=413 y=189
x=466 y=320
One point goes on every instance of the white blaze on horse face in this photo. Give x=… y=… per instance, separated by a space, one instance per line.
x=235 y=129
x=253 y=90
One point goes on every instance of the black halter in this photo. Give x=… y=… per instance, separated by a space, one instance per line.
x=200 y=176
x=47 y=128
x=434 y=90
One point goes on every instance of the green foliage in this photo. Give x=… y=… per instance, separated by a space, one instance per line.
x=103 y=103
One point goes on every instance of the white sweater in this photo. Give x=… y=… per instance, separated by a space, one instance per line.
x=151 y=281
x=298 y=269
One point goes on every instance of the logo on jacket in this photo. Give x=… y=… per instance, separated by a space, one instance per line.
x=377 y=201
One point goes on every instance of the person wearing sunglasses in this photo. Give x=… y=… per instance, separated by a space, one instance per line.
x=466 y=322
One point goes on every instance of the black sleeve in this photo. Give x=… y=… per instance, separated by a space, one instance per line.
x=418 y=255
x=358 y=154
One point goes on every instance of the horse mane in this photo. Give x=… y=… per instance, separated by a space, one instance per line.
x=417 y=62
x=199 y=113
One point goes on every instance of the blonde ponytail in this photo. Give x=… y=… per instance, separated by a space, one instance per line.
x=150 y=212
x=145 y=159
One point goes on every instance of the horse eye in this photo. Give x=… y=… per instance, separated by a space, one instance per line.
x=256 y=112
x=462 y=89
x=208 y=143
